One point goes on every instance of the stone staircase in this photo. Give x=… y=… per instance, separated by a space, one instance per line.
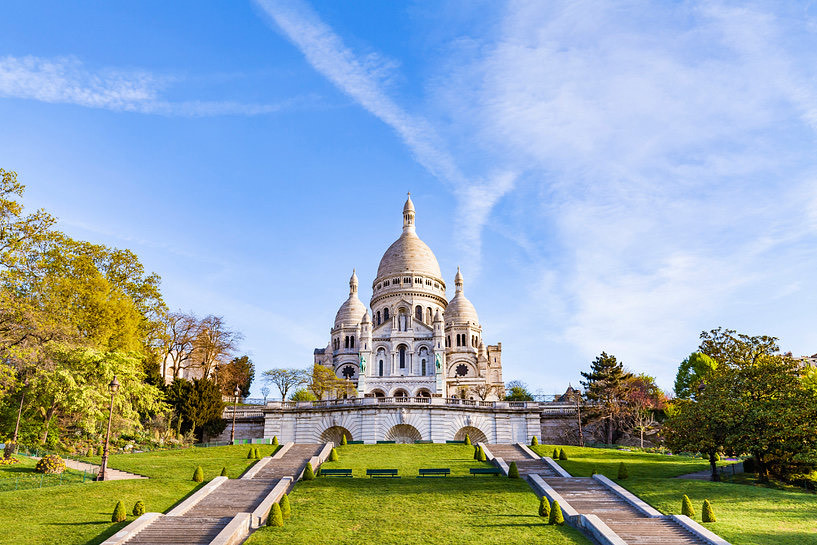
x=180 y=530
x=524 y=463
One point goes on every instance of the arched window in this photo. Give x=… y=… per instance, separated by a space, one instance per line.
x=381 y=368
x=418 y=313
x=448 y=341
x=402 y=357
x=346 y=342
x=424 y=367
x=352 y=341
x=429 y=315
x=378 y=317
x=385 y=314
x=458 y=339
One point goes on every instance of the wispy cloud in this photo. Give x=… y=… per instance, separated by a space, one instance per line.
x=66 y=80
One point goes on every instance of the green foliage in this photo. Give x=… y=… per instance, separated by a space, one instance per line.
x=686 y=507
x=562 y=454
x=309 y=473
x=605 y=387
x=476 y=452
x=198 y=475
x=9 y=450
x=707 y=514
x=622 y=471
x=513 y=471
x=556 y=515
x=467 y=439
x=275 y=518
x=694 y=369
x=199 y=405
x=238 y=372
x=333 y=455
x=251 y=454
x=516 y=390
x=223 y=472
x=534 y=441
x=100 y=450
x=50 y=463
x=302 y=394
x=275 y=440
x=138 y=509
x=343 y=440
x=544 y=507
x=555 y=454
x=256 y=454
x=119 y=514
x=286 y=508
x=482 y=457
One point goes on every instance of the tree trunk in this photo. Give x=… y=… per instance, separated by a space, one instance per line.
x=610 y=430
x=642 y=437
x=48 y=416
x=762 y=470
x=713 y=465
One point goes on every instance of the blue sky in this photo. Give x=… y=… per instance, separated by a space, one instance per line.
x=609 y=176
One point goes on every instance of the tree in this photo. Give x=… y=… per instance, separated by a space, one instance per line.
x=302 y=394
x=286 y=379
x=643 y=399
x=696 y=368
x=484 y=391
x=238 y=372
x=198 y=405
x=265 y=393
x=324 y=383
x=606 y=389
x=214 y=344
x=181 y=331
x=516 y=390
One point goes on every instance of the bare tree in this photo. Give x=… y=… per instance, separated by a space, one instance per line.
x=484 y=391
x=214 y=344
x=286 y=379
x=179 y=338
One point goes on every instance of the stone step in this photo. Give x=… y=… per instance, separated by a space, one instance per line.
x=181 y=530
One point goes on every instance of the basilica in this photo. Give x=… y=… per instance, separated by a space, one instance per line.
x=414 y=342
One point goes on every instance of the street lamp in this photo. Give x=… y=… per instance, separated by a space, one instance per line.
x=19 y=414
x=113 y=387
x=235 y=407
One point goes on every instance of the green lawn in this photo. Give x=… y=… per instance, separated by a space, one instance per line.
x=80 y=514
x=456 y=509
x=747 y=514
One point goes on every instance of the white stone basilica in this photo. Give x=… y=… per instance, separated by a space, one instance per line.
x=415 y=343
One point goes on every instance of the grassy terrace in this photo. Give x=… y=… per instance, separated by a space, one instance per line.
x=456 y=509
x=747 y=514
x=79 y=514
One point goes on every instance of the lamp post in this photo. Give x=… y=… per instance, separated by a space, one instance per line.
x=19 y=414
x=113 y=387
x=235 y=407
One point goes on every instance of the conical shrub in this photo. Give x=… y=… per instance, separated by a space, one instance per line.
x=707 y=514
x=223 y=472
x=309 y=473
x=256 y=454
x=544 y=507
x=562 y=455
x=119 y=512
x=275 y=517
x=686 y=507
x=138 y=509
x=100 y=451
x=622 y=471
x=467 y=439
x=286 y=508
x=343 y=440
x=275 y=440
x=534 y=441
x=513 y=471
x=251 y=454
x=482 y=457
x=198 y=475
x=555 y=454
x=333 y=455
x=556 y=516
x=476 y=452
x=593 y=472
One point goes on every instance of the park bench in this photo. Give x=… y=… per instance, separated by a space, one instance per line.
x=423 y=441
x=354 y=442
x=434 y=472
x=336 y=472
x=455 y=442
x=383 y=473
x=485 y=471
x=386 y=442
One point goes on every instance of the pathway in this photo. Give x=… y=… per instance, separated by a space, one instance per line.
x=110 y=474
x=207 y=518
x=706 y=475
x=590 y=497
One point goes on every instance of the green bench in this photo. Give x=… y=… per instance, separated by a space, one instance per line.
x=485 y=471
x=382 y=473
x=386 y=442
x=354 y=442
x=434 y=472
x=336 y=472
x=455 y=442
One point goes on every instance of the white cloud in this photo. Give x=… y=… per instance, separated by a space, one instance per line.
x=66 y=80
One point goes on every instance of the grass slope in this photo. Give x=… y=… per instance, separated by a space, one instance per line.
x=458 y=509
x=747 y=514
x=80 y=514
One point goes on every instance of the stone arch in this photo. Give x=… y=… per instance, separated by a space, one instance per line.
x=403 y=433
x=454 y=368
x=422 y=392
x=399 y=392
x=465 y=421
x=335 y=434
x=475 y=434
x=377 y=392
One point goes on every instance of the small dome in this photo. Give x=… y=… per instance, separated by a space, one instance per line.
x=352 y=311
x=460 y=309
x=409 y=206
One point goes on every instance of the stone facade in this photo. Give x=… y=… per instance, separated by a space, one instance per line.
x=414 y=343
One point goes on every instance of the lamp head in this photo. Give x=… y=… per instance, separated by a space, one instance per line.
x=114 y=385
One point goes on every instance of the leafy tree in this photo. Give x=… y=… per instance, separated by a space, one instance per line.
x=643 y=400
x=198 y=405
x=696 y=368
x=238 y=372
x=606 y=388
x=302 y=394
x=516 y=390
x=324 y=383
x=286 y=379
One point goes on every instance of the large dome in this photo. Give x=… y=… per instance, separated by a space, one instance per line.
x=409 y=253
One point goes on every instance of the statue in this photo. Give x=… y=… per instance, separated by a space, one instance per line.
x=438 y=361
x=362 y=364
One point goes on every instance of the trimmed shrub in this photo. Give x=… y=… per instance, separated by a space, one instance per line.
x=251 y=454
x=9 y=450
x=343 y=440
x=100 y=451
x=223 y=472
x=286 y=508
x=275 y=517
x=467 y=439
x=333 y=455
x=309 y=473
x=476 y=452
x=138 y=509
x=119 y=512
x=50 y=463
x=198 y=475
x=593 y=472
x=707 y=514
x=555 y=454
x=686 y=507
x=556 y=516
x=513 y=471
x=622 y=471
x=534 y=441
x=562 y=455
x=275 y=440
x=544 y=507
x=256 y=454
x=318 y=472
x=482 y=457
